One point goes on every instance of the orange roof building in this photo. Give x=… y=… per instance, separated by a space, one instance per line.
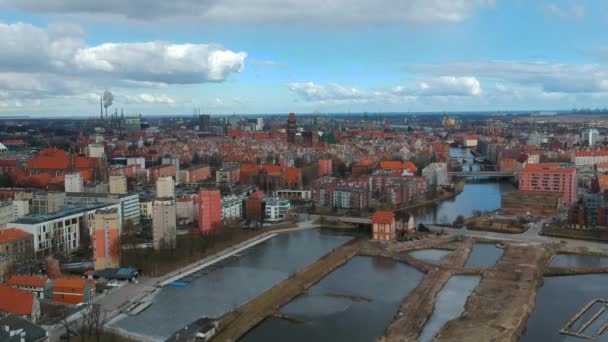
x=398 y=166
x=19 y=302
x=383 y=225
x=72 y=290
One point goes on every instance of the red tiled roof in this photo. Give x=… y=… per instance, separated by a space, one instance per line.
x=50 y=158
x=25 y=280
x=70 y=283
x=11 y=234
x=257 y=195
x=395 y=164
x=9 y=162
x=16 y=301
x=293 y=174
x=364 y=162
x=383 y=217
x=590 y=153
x=272 y=169
x=547 y=168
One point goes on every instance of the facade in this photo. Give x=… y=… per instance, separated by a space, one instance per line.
x=118 y=184
x=185 y=209
x=129 y=203
x=276 y=209
x=210 y=210
x=7 y=213
x=549 y=178
x=529 y=202
x=589 y=158
x=106 y=239
x=21 y=207
x=436 y=174
x=591 y=136
x=72 y=290
x=351 y=198
x=73 y=182
x=145 y=209
x=324 y=167
x=229 y=174
x=47 y=202
x=132 y=124
x=293 y=194
x=383 y=225
x=164 y=223
x=18 y=246
x=254 y=207
x=292 y=128
x=165 y=187
x=153 y=173
x=194 y=174
x=232 y=208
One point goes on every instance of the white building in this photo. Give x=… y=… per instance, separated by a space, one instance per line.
x=436 y=174
x=6 y=213
x=164 y=225
x=129 y=203
x=185 y=209
x=95 y=151
x=591 y=136
x=276 y=209
x=3 y=148
x=589 y=158
x=145 y=209
x=73 y=182
x=232 y=208
x=141 y=161
x=293 y=194
x=60 y=231
x=118 y=184
x=165 y=187
x=21 y=207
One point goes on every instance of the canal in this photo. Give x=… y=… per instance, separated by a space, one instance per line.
x=354 y=303
x=225 y=287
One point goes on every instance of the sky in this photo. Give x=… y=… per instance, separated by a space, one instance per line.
x=277 y=56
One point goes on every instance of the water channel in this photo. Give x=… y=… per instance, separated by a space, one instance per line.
x=230 y=284
x=578 y=260
x=430 y=255
x=354 y=303
x=484 y=255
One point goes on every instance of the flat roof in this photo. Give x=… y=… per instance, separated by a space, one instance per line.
x=99 y=194
x=65 y=211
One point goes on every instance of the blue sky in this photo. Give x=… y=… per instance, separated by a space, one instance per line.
x=276 y=56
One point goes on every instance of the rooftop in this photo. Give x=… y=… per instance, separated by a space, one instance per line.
x=65 y=211
x=11 y=234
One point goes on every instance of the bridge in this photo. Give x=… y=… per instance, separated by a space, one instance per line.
x=481 y=174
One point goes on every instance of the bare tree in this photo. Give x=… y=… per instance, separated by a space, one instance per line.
x=93 y=319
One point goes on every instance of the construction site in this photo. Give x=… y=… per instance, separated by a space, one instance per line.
x=507 y=278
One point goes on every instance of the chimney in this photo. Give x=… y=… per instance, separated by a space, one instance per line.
x=101 y=108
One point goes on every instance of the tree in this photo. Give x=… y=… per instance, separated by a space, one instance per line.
x=459 y=221
x=196 y=158
x=6 y=181
x=128 y=226
x=93 y=319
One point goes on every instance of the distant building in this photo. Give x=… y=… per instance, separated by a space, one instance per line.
x=292 y=128
x=591 y=136
x=165 y=187
x=549 y=178
x=531 y=202
x=7 y=213
x=164 y=223
x=47 y=202
x=589 y=158
x=589 y=212
x=132 y=124
x=194 y=174
x=210 y=210
x=129 y=203
x=254 y=207
x=73 y=182
x=153 y=173
x=383 y=225
x=118 y=184
x=232 y=208
x=204 y=122
x=324 y=167
x=436 y=174
x=276 y=209
x=106 y=239
x=230 y=175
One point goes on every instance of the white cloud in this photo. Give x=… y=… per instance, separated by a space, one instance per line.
x=450 y=86
x=573 y=11
x=262 y=11
x=42 y=62
x=550 y=77
x=149 y=98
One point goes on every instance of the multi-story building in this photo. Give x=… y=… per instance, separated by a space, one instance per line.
x=164 y=225
x=118 y=184
x=95 y=151
x=210 y=210
x=153 y=173
x=106 y=239
x=7 y=213
x=165 y=187
x=591 y=136
x=194 y=174
x=276 y=209
x=436 y=174
x=73 y=182
x=549 y=177
x=18 y=246
x=146 y=208
x=232 y=208
x=61 y=231
x=589 y=158
x=47 y=202
x=185 y=209
x=129 y=203
x=351 y=198
x=325 y=167
x=21 y=207
x=230 y=174
x=20 y=303
x=293 y=194
x=292 y=128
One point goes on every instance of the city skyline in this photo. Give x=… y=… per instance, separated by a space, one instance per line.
x=253 y=57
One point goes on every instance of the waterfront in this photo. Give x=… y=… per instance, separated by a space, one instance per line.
x=476 y=196
x=484 y=255
x=352 y=303
x=558 y=300
x=578 y=260
x=227 y=286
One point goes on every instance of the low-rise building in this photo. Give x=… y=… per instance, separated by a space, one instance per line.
x=18 y=329
x=20 y=303
x=383 y=225
x=37 y=285
x=72 y=290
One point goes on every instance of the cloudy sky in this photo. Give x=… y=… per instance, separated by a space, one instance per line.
x=275 y=56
